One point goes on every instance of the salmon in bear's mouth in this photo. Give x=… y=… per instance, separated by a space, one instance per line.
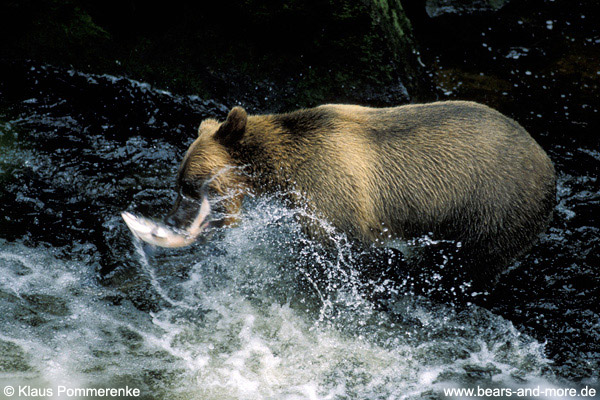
x=158 y=234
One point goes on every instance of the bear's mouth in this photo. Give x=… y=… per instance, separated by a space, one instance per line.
x=160 y=234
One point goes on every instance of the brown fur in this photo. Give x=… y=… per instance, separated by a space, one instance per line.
x=458 y=170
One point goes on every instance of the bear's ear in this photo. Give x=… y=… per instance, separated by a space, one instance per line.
x=232 y=130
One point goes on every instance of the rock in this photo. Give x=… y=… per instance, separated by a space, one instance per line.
x=481 y=373
x=436 y=8
x=13 y=359
x=273 y=57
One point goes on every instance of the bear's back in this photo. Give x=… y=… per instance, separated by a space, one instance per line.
x=459 y=170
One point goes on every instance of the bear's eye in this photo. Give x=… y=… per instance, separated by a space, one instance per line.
x=190 y=189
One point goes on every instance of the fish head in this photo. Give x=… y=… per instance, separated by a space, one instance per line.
x=209 y=170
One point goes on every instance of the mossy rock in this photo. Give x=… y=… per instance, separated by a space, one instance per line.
x=269 y=55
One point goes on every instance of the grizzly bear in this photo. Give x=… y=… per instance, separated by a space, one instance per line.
x=454 y=170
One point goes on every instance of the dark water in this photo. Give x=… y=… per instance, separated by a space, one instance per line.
x=243 y=316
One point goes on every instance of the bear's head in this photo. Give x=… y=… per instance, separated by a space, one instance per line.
x=210 y=172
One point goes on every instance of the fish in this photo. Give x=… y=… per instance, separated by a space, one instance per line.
x=158 y=234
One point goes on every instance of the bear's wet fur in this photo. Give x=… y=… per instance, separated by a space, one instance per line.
x=454 y=170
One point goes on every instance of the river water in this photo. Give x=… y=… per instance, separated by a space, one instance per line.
x=243 y=315
x=259 y=311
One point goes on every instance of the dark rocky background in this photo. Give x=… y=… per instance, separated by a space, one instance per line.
x=103 y=142
x=281 y=54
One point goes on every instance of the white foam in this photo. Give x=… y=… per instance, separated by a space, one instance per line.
x=249 y=321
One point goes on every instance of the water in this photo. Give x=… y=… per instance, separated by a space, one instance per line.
x=239 y=323
x=259 y=311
